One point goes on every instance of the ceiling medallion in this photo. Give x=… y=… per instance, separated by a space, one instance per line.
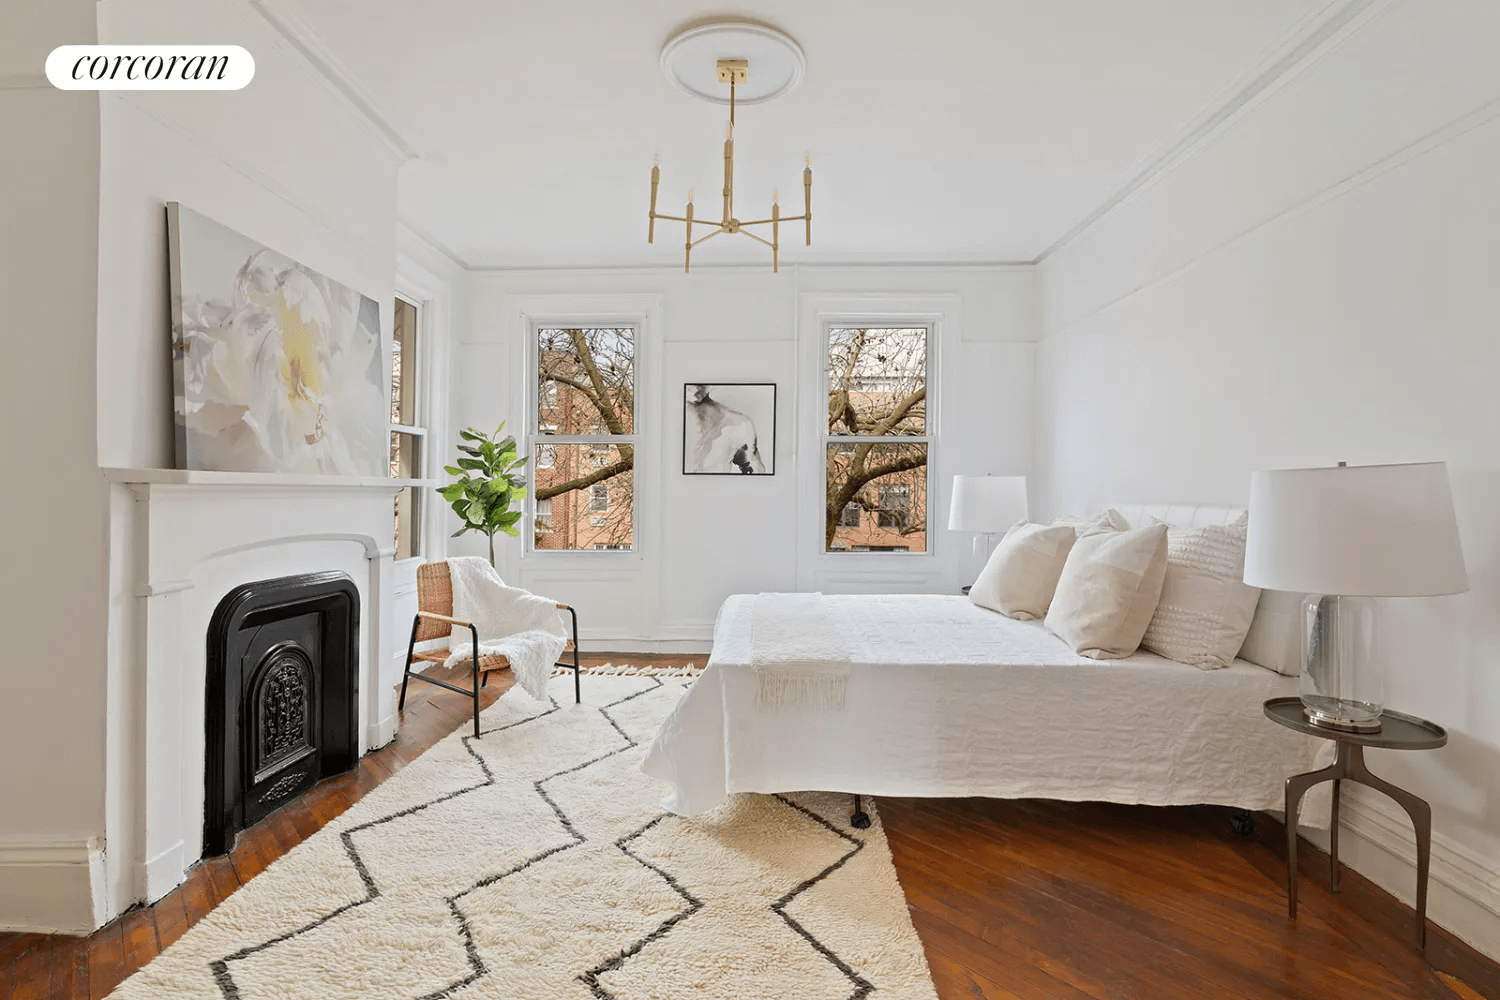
x=779 y=66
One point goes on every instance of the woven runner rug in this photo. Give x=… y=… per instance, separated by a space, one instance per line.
x=536 y=863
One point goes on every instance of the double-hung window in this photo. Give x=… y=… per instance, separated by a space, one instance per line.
x=407 y=433
x=877 y=447
x=583 y=433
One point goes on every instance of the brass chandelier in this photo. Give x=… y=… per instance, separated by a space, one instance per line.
x=732 y=72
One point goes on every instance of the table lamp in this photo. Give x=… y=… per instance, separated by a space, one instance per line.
x=1344 y=536
x=987 y=505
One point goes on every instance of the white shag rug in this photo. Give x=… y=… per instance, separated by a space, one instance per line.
x=536 y=863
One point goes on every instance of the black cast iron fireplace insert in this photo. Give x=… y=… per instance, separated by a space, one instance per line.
x=283 y=686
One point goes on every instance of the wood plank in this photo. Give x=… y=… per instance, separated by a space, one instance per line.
x=69 y=977
x=106 y=960
x=222 y=880
x=197 y=894
x=138 y=928
x=171 y=918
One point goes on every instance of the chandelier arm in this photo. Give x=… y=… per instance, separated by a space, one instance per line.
x=704 y=239
x=758 y=239
x=766 y=222
x=676 y=218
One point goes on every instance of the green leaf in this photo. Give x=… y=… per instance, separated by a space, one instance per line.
x=518 y=463
x=510 y=517
x=472 y=464
x=518 y=492
x=512 y=532
x=468 y=434
x=453 y=471
x=474 y=513
x=460 y=531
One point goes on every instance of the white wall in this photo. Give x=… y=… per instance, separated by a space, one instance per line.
x=1319 y=285
x=285 y=161
x=52 y=726
x=704 y=538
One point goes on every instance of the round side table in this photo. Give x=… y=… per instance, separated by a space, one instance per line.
x=1397 y=732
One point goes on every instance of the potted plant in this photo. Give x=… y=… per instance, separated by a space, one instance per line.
x=489 y=484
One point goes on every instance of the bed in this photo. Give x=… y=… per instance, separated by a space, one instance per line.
x=948 y=699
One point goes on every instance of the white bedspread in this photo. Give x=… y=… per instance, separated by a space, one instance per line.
x=948 y=699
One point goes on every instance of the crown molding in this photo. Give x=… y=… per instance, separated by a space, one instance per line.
x=422 y=236
x=1301 y=48
x=311 y=50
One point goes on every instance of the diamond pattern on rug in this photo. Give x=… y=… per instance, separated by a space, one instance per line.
x=536 y=863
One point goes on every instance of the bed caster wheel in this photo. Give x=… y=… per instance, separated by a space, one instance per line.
x=860 y=820
x=1242 y=822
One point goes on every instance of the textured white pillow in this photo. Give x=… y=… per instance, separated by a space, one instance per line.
x=1206 y=607
x=1108 y=590
x=1022 y=572
x=1275 y=637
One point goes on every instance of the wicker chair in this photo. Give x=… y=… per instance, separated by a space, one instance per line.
x=434 y=620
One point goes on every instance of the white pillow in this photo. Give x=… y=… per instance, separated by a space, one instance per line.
x=1206 y=607
x=1108 y=591
x=1022 y=572
x=1109 y=520
x=1275 y=637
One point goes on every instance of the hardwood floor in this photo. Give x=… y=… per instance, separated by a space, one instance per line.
x=1013 y=900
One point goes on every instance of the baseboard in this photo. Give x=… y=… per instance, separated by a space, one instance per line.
x=164 y=872
x=378 y=734
x=1463 y=889
x=52 y=886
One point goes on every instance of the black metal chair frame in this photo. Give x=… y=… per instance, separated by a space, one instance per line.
x=479 y=682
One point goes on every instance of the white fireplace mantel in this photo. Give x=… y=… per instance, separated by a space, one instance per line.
x=268 y=480
x=192 y=538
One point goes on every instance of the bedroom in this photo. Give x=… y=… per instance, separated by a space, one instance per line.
x=1151 y=248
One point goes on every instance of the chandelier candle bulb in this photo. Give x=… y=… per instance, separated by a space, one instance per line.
x=655 y=180
x=807 y=196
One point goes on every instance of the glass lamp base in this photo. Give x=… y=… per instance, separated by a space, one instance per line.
x=1349 y=719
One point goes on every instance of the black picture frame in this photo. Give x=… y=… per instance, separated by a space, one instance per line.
x=715 y=442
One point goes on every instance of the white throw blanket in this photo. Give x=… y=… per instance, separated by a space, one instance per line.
x=524 y=628
x=800 y=659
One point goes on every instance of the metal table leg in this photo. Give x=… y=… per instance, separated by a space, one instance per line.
x=1350 y=765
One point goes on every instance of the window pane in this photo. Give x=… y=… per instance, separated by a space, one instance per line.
x=404 y=465
x=877 y=381
x=587 y=506
x=543 y=516
x=404 y=365
x=887 y=479
x=586 y=380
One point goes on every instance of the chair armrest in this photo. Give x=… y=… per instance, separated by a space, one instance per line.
x=444 y=618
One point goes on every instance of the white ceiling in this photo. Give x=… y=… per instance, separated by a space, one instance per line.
x=941 y=130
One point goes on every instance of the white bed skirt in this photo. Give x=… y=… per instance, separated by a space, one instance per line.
x=948 y=699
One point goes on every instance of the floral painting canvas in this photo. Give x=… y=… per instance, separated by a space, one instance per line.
x=276 y=368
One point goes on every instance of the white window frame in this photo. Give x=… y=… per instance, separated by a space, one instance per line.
x=929 y=438
x=644 y=313
x=892 y=572
x=422 y=411
x=432 y=294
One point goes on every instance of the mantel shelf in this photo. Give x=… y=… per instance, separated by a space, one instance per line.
x=197 y=477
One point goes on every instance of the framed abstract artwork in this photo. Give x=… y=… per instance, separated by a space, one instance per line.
x=275 y=368
x=729 y=429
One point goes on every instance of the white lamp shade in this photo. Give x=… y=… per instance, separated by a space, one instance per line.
x=1369 y=531
x=987 y=504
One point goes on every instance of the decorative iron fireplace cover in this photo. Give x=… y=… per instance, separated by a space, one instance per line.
x=283 y=686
